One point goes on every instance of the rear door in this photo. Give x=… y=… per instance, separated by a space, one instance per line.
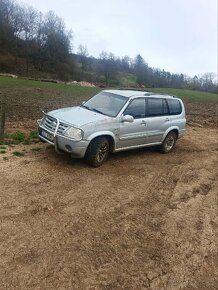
x=158 y=119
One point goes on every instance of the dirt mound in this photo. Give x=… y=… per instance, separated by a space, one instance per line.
x=82 y=83
x=9 y=75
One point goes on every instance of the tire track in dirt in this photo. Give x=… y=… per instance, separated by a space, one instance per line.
x=141 y=221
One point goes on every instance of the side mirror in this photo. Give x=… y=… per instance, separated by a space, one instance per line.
x=127 y=118
x=83 y=102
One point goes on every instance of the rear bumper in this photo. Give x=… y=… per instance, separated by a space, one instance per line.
x=62 y=144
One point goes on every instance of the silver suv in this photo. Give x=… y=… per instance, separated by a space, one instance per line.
x=113 y=121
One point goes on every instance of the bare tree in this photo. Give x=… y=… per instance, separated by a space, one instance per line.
x=56 y=40
x=107 y=66
x=83 y=54
x=29 y=30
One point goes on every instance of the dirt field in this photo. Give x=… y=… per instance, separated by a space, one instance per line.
x=141 y=221
x=23 y=104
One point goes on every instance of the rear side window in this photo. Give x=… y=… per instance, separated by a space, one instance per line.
x=157 y=107
x=136 y=109
x=175 y=107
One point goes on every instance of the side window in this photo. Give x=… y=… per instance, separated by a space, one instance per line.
x=136 y=109
x=174 y=107
x=165 y=108
x=157 y=107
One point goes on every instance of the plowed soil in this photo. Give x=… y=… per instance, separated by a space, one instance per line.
x=141 y=221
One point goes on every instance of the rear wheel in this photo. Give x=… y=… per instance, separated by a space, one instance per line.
x=169 y=142
x=97 y=152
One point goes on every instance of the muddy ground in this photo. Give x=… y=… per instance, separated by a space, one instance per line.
x=143 y=220
x=24 y=105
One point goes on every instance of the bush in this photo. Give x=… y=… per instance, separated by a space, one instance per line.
x=7 y=63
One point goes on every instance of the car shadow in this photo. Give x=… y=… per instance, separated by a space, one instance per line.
x=134 y=153
x=66 y=160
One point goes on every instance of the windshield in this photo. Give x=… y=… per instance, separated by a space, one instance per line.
x=106 y=103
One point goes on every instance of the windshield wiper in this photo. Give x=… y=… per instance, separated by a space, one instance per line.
x=97 y=111
x=93 y=109
x=86 y=107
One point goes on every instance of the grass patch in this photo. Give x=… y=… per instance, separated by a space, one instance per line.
x=127 y=80
x=18 y=153
x=3 y=148
x=26 y=142
x=37 y=149
x=63 y=93
x=18 y=138
x=188 y=95
x=2 y=151
x=33 y=135
x=6 y=82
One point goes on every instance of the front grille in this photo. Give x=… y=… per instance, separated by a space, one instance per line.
x=62 y=128
x=50 y=124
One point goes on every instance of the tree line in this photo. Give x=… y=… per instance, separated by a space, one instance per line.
x=36 y=44
x=32 y=41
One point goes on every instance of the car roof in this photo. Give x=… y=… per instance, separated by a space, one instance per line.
x=134 y=93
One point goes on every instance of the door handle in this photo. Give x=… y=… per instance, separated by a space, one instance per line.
x=143 y=123
x=167 y=119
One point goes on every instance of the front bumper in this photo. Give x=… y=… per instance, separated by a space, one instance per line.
x=62 y=144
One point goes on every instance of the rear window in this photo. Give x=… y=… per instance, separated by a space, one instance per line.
x=175 y=107
x=157 y=107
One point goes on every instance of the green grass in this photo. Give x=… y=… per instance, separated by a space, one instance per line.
x=18 y=153
x=7 y=82
x=3 y=149
x=127 y=80
x=37 y=149
x=18 y=138
x=63 y=92
x=33 y=135
x=188 y=95
x=26 y=142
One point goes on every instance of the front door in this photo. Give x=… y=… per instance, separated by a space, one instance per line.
x=133 y=134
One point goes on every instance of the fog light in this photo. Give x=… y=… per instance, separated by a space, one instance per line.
x=68 y=148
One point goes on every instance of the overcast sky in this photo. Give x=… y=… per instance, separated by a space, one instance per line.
x=175 y=35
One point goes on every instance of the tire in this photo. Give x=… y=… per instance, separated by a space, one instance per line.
x=97 y=152
x=169 y=142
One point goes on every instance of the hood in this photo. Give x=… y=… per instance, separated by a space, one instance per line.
x=77 y=116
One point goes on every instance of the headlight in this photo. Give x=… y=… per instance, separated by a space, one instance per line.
x=74 y=133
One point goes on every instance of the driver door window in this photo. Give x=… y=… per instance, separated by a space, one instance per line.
x=136 y=109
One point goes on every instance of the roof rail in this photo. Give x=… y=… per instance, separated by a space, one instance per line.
x=131 y=89
x=149 y=94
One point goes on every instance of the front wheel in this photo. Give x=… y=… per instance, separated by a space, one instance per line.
x=169 y=142
x=97 y=152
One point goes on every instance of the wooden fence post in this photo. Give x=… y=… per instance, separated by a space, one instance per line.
x=2 y=121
